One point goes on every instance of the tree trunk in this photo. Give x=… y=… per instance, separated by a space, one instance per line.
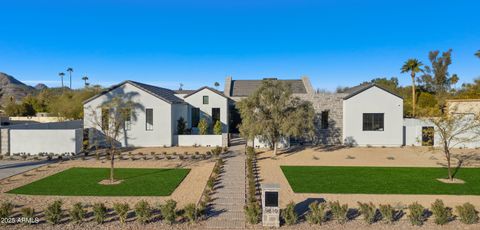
x=413 y=95
x=447 y=155
x=112 y=156
x=274 y=148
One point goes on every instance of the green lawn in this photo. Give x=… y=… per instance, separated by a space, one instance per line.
x=84 y=182
x=379 y=180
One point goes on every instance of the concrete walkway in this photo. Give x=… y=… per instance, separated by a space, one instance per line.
x=10 y=168
x=229 y=198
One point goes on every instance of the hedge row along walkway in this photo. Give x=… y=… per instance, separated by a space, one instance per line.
x=229 y=198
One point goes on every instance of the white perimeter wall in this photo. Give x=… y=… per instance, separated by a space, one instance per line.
x=51 y=141
x=138 y=135
x=199 y=140
x=373 y=100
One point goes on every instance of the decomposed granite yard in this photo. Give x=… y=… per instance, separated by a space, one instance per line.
x=396 y=176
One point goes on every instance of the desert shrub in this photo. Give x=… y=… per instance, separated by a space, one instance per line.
x=207 y=198
x=203 y=126
x=53 y=213
x=289 y=214
x=217 y=150
x=467 y=213
x=441 y=213
x=143 y=211
x=388 y=213
x=368 y=211
x=77 y=212
x=210 y=182
x=339 y=212
x=225 y=149
x=252 y=212
x=190 y=212
x=169 y=212
x=317 y=213
x=28 y=213
x=6 y=209
x=217 y=128
x=417 y=214
x=99 y=212
x=122 y=210
x=202 y=207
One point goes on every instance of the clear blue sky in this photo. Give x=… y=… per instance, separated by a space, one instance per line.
x=200 y=42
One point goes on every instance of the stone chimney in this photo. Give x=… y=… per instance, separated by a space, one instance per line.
x=308 y=85
x=228 y=86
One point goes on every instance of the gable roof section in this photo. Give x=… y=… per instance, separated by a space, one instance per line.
x=360 y=88
x=206 y=87
x=166 y=95
x=244 y=88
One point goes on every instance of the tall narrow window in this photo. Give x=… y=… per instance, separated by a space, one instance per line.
x=324 y=119
x=105 y=118
x=128 y=119
x=195 y=117
x=205 y=100
x=149 y=119
x=215 y=115
x=373 y=122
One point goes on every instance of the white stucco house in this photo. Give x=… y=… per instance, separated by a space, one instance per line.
x=372 y=116
x=155 y=114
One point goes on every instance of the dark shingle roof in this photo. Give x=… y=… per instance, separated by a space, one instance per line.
x=206 y=87
x=165 y=94
x=360 y=88
x=243 y=88
x=184 y=91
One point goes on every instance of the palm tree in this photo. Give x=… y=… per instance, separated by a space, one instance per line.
x=216 y=84
x=85 y=78
x=477 y=54
x=70 y=70
x=413 y=66
x=61 y=74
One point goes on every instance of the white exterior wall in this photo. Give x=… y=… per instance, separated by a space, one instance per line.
x=138 y=135
x=199 y=140
x=215 y=101
x=35 y=141
x=373 y=100
x=179 y=110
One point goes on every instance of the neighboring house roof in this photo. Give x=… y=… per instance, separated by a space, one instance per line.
x=166 y=95
x=206 y=87
x=184 y=91
x=351 y=92
x=243 y=88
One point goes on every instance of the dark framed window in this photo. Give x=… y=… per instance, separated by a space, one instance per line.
x=149 y=119
x=215 y=115
x=205 y=100
x=128 y=119
x=373 y=122
x=105 y=118
x=324 y=117
x=195 y=117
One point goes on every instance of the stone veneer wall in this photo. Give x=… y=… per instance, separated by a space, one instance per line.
x=4 y=141
x=333 y=102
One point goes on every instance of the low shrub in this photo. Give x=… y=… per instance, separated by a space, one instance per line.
x=28 y=213
x=143 y=211
x=217 y=150
x=53 y=213
x=317 y=213
x=6 y=209
x=368 y=211
x=99 y=212
x=77 y=212
x=122 y=210
x=202 y=207
x=441 y=213
x=210 y=182
x=289 y=214
x=253 y=212
x=169 y=212
x=417 y=214
x=190 y=212
x=467 y=213
x=339 y=212
x=388 y=213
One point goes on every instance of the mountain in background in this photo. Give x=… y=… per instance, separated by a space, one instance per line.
x=41 y=86
x=11 y=87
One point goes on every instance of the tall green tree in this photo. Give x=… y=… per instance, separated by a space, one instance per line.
x=61 y=74
x=272 y=113
x=70 y=70
x=413 y=66
x=437 y=78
